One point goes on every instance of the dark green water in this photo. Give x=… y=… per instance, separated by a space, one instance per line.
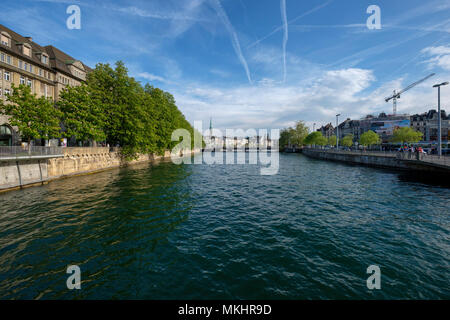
x=224 y=231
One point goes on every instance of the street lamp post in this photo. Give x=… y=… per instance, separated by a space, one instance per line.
x=439 y=116
x=337 y=131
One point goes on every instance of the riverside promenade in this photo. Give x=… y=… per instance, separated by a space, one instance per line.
x=397 y=160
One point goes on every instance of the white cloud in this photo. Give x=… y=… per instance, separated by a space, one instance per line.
x=273 y=105
x=151 y=77
x=352 y=92
x=439 y=56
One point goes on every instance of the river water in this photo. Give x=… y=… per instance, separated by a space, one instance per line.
x=166 y=231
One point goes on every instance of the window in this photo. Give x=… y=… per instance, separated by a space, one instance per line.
x=6 y=76
x=45 y=91
x=2 y=57
x=29 y=83
x=22 y=80
x=40 y=72
x=20 y=64
x=5 y=131
x=31 y=68
x=7 y=91
x=25 y=66
x=44 y=59
x=8 y=59
x=5 y=40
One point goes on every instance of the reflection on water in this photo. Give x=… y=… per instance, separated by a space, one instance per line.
x=100 y=222
x=162 y=231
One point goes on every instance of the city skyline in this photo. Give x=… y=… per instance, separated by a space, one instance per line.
x=259 y=66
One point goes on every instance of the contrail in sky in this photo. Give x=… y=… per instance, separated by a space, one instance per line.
x=285 y=36
x=234 y=39
x=289 y=22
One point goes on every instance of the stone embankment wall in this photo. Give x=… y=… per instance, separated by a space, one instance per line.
x=15 y=174
x=86 y=160
x=377 y=160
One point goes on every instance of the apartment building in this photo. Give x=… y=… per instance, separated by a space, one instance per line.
x=327 y=130
x=348 y=127
x=46 y=70
x=427 y=123
x=67 y=70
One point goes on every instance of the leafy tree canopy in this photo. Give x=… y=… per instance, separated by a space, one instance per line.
x=114 y=107
x=347 y=141
x=36 y=118
x=293 y=135
x=406 y=135
x=332 y=141
x=369 y=138
x=315 y=138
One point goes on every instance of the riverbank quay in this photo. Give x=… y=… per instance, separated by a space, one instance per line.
x=20 y=168
x=405 y=161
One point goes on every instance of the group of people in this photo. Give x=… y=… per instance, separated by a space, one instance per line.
x=412 y=149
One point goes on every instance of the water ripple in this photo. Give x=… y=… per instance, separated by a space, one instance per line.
x=225 y=232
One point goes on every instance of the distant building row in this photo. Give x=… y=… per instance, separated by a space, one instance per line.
x=46 y=70
x=384 y=125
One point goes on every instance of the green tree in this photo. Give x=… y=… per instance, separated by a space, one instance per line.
x=111 y=107
x=321 y=140
x=315 y=138
x=293 y=136
x=82 y=115
x=36 y=118
x=406 y=135
x=347 y=141
x=285 y=138
x=369 y=138
x=332 y=141
x=300 y=131
x=139 y=119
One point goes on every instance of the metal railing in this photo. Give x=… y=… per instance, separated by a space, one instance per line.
x=7 y=153
x=358 y=152
x=443 y=160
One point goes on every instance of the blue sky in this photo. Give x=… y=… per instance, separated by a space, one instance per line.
x=258 y=63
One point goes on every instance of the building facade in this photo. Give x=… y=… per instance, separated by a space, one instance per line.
x=427 y=123
x=348 y=127
x=327 y=130
x=384 y=125
x=46 y=70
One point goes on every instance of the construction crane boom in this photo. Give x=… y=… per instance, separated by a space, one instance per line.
x=396 y=94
